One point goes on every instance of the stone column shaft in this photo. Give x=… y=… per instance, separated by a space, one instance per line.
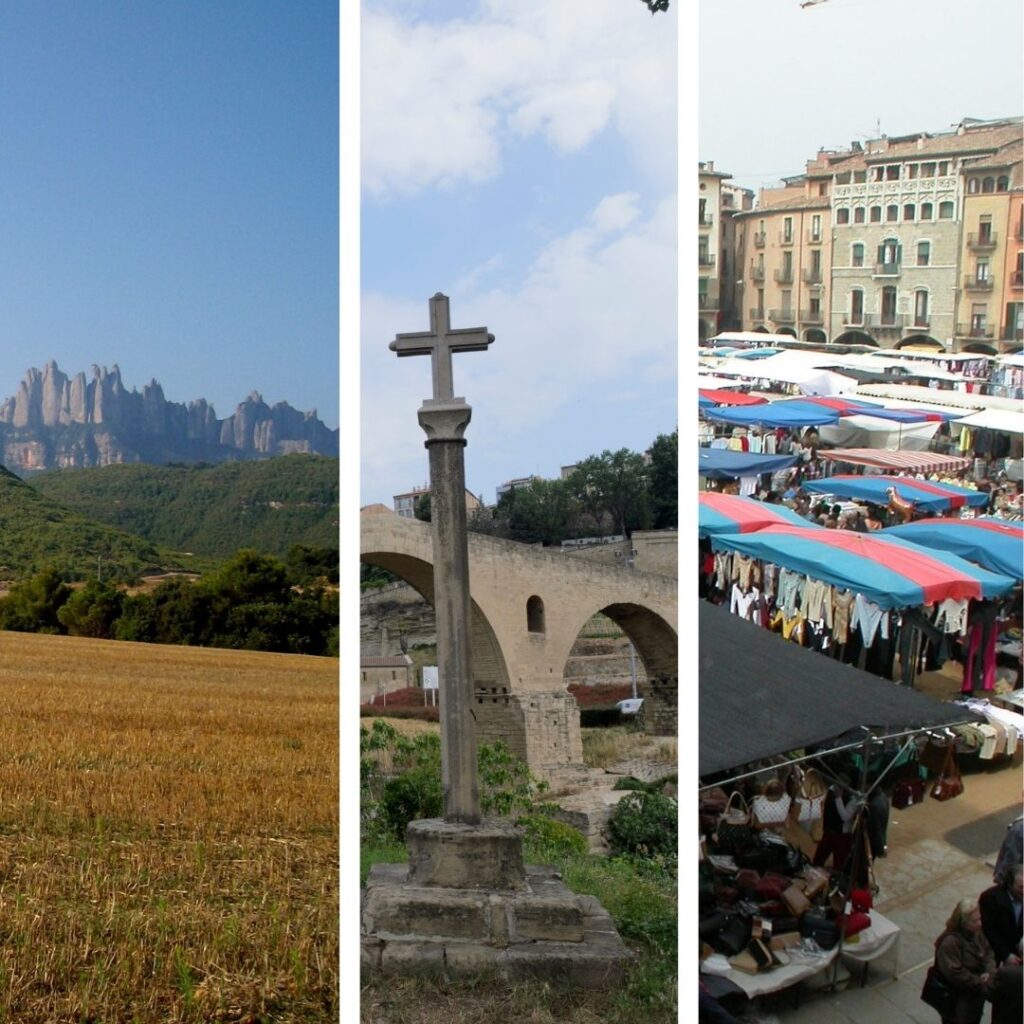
x=444 y=423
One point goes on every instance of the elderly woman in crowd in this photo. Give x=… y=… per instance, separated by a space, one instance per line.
x=964 y=960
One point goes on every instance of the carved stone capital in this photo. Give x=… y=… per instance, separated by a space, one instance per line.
x=444 y=419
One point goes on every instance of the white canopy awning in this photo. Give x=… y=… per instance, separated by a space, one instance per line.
x=1002 y=420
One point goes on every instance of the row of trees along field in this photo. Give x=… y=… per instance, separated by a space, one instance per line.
x=252 y=602
x=611 y=493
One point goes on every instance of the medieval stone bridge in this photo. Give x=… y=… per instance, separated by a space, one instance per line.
x=528 y=607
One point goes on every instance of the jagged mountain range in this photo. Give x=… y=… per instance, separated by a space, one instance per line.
x=57 y=422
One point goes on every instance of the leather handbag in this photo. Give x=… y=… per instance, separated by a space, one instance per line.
x=771 y=887
x=939 y=994
x=861 y=900
x=948 y=784
x=933 y=755
x=815 y=881
x=796 y=901
x=816 y=926
x=747 y=879
x=908 y=793
x=734 y=828
x=732 y=936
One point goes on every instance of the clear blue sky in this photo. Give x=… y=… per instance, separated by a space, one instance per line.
x=522 y=159
x=168 y=195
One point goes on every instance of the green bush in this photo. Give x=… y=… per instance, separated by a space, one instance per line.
x=416 y=794
x=644 y=825
x=547 y=839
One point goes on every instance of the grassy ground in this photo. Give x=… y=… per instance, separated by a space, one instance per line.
x=168 y=834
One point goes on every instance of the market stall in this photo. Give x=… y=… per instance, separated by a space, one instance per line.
x=731 y=513
x=896 y=461
x=990 y=543
x=769 y=919
x=725 y=464
x=923 y=495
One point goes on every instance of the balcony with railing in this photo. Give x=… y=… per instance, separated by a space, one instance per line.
x=758 y=239
x=981 y=241
x=975 y=331
x=891 y=269
x=1017 y=279
x=705 y=220
x=782 y=316
x=786 y=239
x=886 y=321
x=812 y=275
x=812 y=316
x=756 y=272
x=757 y=314
x=784 y=275
x=1011 y=332
x=705 y=260
x=921 y=322
x=814 y=237
x=973 y=283
x=707 y=302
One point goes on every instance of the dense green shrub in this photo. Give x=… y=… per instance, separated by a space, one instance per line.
x=645 y=825
x=547 y=838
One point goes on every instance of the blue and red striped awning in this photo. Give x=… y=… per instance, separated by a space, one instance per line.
x=992 y=544
x=922 y=494
x=890 y=571
x=730 y=513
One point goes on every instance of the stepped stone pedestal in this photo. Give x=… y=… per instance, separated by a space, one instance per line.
x=466 y=905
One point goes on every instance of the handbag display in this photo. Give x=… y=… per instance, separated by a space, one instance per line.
x=853 y=924
x=861 y=900
x=815 y=881
x=732 y=937
x=765 y=811
x=939 y=994
x=771 y=887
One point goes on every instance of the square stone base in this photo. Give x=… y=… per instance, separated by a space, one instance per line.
x=543 y=930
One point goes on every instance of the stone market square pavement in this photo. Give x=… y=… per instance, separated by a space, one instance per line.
x=939 y=853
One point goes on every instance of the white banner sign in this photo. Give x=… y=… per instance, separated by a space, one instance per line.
x=429 y=677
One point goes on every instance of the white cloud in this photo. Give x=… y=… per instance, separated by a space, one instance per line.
x=590 y=327
x=441 y=98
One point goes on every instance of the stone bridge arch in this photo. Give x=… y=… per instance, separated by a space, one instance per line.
x=518 y=668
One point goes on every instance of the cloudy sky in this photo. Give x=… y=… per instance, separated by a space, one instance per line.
x=778 y=81
x=520 y=158
x=169 y=195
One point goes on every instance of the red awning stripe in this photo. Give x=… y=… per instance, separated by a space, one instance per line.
x=936 y=579
x=920 y=462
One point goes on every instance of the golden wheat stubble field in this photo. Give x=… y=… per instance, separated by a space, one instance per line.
x=168 y=833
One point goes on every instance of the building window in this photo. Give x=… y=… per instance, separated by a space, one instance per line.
x=892 y=213
x=926 y=211
x=924 y=253
x=823 y=188
x=979 y=318
x=787 y=229
x=927 y=170
x=815 y=305
x=857 y=254
x=842 y=215
x=760 y=303
x=943 y=168
x=878 y=174
x=1003 y=183
x=912 y=170
x=988 y=185
x=889 y=305
x=946 y=210
x=857 y=306
x=985 y=229
x=981 y=270
x=875 y=215
x=816 y=225
x=973 y=186
x=889 y=252
x=892 y=172
x=787 y=302
x=908 y=211
x=920 y=308
x=858 y=215
x=535 y=615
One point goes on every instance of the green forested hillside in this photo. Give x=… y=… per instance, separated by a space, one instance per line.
x=37 y=532
x=268 y=505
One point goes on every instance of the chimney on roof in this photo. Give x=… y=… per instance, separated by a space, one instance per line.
x=855 y=147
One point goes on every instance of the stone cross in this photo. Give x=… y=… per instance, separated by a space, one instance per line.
x=444 y=419
x=439 y=343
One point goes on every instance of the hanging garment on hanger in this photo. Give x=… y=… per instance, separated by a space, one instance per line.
x=869 y=618
x=791 y=592
x=842 y=608
x=951 y=615
x=817 y=603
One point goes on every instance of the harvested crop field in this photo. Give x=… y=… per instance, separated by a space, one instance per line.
x=168 y=833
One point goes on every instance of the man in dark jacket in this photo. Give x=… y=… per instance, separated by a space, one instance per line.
x=1001 y=915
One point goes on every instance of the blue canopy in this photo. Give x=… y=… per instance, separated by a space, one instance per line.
x=724 y=464
x=924 y=495
x=788 y=413
x=995 y=545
